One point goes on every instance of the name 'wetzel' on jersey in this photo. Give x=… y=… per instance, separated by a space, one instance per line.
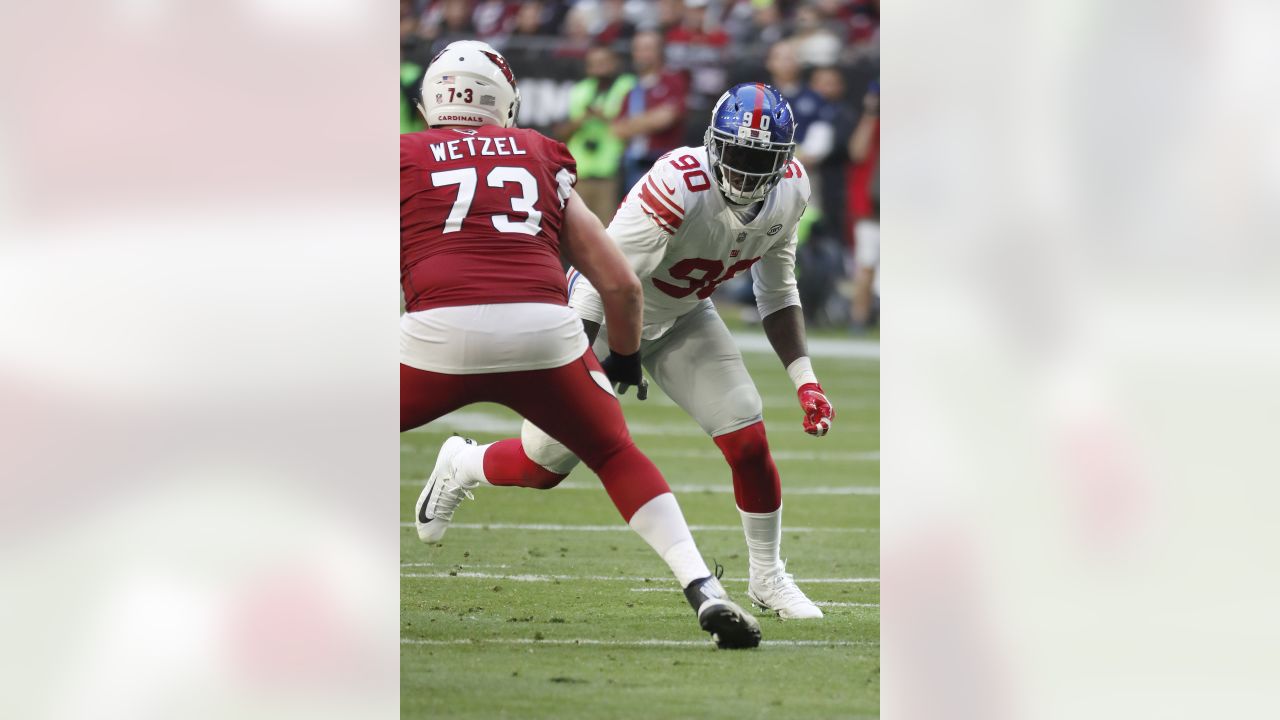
x=684 y=239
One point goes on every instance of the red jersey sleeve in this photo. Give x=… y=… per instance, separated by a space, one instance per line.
x=564 y=169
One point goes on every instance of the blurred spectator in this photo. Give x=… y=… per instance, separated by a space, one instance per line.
x=652 y=120
x=829 y=84
x=864 y=201
x=526 y=44
x=699 y=49
x=408 y=22
x=767 y=21
x=492 y=18
x=595 y=102
x=815 y=135
x=815 y=43
x=575 y=38
x=530 y=20
x=616 y=27
x=667 y=15
x=446 y=21
x=860 y=23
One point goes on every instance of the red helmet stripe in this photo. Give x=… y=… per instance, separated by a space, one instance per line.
x=755 y=116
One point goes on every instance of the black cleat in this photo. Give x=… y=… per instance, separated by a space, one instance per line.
x=730 y=626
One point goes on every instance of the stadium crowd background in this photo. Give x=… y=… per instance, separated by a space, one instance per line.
x=624 y=81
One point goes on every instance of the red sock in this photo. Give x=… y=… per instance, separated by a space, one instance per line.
x=505 y=463
x=756 y=485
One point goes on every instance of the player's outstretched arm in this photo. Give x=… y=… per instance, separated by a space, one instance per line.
x=594 y=254
x=785 y=330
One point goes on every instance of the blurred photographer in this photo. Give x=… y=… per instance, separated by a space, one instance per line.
x=593 y=105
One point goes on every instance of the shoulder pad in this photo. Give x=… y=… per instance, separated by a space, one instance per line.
x=663 y=194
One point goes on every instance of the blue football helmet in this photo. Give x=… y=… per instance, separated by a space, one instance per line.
x=750 y=141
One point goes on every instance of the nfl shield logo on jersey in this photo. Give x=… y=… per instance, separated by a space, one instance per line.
x=741 y=236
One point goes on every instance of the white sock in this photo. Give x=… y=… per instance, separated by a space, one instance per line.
x=662 y=525
x=468 y=466
x=764 y=540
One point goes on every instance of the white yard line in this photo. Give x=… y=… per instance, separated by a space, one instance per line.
x=709 y=453
x=726 y=489
x=820 y=603
x=475 y=421
x=721 y=489
x=627 y=528
x=625 y=643
x=626 y=578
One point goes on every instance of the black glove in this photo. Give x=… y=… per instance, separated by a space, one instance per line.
x=624 y=371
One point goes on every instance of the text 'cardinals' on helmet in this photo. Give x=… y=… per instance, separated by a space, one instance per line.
x=750 y=141
x=469 y=83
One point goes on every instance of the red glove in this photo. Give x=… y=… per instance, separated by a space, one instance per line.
x=818 y=412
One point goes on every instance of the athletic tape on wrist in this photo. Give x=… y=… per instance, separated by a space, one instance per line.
x=801 y=372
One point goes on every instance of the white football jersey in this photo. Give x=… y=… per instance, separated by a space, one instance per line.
x=684 y=239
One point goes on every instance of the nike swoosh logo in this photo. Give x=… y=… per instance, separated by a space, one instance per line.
x=422 y=512
x=670 y=190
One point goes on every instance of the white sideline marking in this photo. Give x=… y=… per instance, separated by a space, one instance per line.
x=637 y=643
x=844 y=348
x=821 y=604
x=474 y=565
x=627 y=578
x=627 y=528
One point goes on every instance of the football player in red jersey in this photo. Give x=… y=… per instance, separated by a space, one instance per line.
x=698 y=218
x=485 y=211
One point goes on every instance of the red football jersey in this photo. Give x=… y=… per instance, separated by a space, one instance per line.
x=480 y=216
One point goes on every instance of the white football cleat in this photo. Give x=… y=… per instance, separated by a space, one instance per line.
x=778 y=592
x=442 y=493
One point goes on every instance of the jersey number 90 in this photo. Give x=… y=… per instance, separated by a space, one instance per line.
x=702 y=276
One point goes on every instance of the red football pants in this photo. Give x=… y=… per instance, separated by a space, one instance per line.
x=566 y=402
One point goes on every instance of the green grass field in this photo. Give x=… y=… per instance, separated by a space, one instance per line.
x=544 y=604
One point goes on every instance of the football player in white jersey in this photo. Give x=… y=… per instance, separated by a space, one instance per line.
x=699 y=217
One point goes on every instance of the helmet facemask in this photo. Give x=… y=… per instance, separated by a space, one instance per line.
x=746 y=169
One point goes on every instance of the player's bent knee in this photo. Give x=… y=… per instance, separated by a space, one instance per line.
x=546 y=451
x=747 y=446
x=740 y=409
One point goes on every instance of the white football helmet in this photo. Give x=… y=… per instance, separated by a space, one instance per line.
x=469 y=83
